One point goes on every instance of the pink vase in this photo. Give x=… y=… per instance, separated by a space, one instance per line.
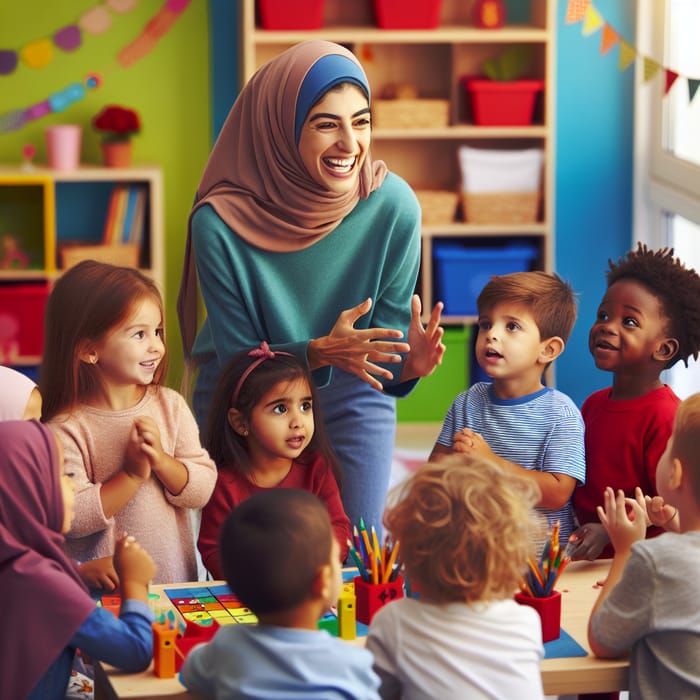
x=63 y=146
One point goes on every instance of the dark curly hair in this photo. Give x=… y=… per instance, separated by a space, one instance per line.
x=676 y=286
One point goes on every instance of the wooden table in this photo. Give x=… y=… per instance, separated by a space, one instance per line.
x=584 y=674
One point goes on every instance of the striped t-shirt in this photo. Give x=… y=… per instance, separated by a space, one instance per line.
x=541 y=431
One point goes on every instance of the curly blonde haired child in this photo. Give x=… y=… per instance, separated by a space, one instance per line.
x=466 y=528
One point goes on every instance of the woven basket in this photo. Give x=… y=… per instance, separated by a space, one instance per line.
x=500 y=207
x=410 y=114
x=126 y=254
x=438 y=206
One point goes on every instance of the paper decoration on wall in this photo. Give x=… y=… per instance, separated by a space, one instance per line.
x=576 y=10
x=39 y=51
x=592 y=21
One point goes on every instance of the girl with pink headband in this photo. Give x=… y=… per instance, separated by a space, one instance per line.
x=265 y=431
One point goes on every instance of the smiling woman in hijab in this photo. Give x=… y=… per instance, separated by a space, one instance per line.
x=300 y=239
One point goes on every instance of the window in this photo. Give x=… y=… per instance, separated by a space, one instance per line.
x=667 y=144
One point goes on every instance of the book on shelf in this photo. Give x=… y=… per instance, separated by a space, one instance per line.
x=138 y=220
x=115 y=214
x=109 y=219
x=128 y=214
x=125 y=221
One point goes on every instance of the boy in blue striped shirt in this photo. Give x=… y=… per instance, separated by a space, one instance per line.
x=525 y=319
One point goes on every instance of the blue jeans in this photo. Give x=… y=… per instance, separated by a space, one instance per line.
x=361 y=425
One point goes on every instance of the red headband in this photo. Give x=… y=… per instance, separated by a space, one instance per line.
x=262 y=353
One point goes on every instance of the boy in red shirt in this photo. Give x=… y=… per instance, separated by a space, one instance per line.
x=648 y=320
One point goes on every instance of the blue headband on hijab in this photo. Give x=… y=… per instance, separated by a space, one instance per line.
x=327 y=72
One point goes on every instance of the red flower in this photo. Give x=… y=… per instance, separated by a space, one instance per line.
x=118 y=123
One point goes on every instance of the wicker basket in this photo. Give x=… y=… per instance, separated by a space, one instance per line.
x=438 y=206
x=125 y=254
x=410 y=114
x=500 y=207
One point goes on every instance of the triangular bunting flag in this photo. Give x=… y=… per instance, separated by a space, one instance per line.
x=693 y=85
x=627 y=54
x=576 y=10
x=592 y=22
x=670 y=79
x=651 y=68
x=609 y=39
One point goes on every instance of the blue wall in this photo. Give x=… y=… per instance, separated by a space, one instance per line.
x=594 y=140
x=594 y=143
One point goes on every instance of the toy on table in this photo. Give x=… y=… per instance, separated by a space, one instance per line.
x=164 y=636
x=347 y=623
x=204 y=609
x=172 y=643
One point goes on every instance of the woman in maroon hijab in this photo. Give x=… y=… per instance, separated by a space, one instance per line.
x=47 y=612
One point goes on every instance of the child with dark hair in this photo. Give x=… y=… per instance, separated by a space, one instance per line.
x=466 y=528
x=648 y=320
x=525 y=319
x=48 y=613
x=281 y=559
x=132 y=444
x=265 y=431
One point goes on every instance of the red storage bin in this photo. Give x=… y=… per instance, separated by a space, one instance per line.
x=407 y=14
x=22 y=320
x=509 y=103
x=288 y=14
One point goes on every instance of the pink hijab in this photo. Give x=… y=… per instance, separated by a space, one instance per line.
x=45 y=598
x=255 y=178
x=15 y=389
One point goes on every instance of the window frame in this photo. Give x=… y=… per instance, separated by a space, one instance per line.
x=663 y=183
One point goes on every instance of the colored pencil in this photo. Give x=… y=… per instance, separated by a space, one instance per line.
x=543 y=573
x=358 y=562
x=389 y=570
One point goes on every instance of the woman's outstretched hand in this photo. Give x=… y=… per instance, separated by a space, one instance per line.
x=356 y=351
x=427 y=348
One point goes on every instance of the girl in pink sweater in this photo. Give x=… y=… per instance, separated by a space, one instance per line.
x=132 y=444
x=264 y=431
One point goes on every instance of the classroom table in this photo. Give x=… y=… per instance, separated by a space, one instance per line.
x=564 y=676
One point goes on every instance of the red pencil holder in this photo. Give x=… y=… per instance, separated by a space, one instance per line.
x=549 y=610
x=372 y=596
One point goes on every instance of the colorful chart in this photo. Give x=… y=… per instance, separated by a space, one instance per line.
x=205 y=603
x=202 y=604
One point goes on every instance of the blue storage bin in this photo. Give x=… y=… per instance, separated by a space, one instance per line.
x=461 y=271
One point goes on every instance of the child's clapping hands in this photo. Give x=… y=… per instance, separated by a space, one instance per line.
x=624 y=519
x=144 y=451
x=658 y=512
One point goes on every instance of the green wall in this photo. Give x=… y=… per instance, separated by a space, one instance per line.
x=169 y=88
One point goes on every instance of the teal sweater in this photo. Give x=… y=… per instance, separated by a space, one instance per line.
x=289 y=298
